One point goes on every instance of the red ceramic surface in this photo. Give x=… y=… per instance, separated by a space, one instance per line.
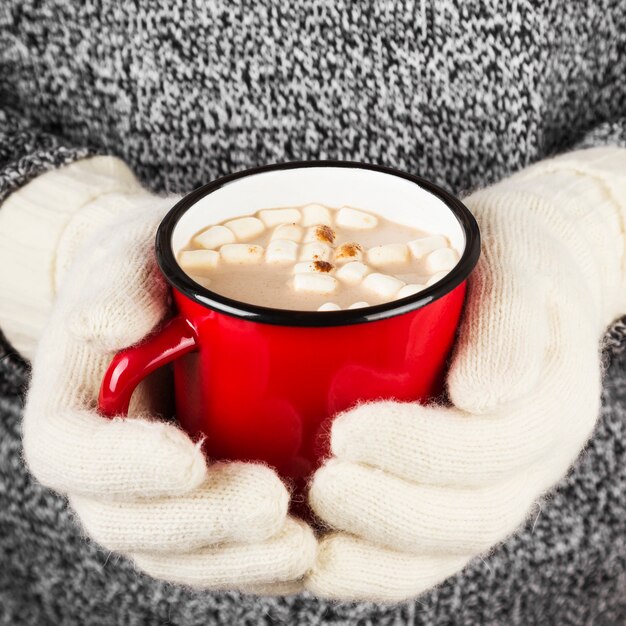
x=265 y=392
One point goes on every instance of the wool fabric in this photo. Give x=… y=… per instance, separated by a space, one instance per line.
x=461 y=93
x=494 y=452
x=432 y=481
x=139 y=485
x=32 y=226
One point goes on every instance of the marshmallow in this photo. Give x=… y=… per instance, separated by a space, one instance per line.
x=313 y=266
x=281 y=251
x=313 y=214
x=304 y=267
x=441 y=259
x=198 y=261
x=389 y=254
x=241 y=253
x=410 y=290
x=436 y=277
x=214 y=237
x=352 y=272
x=383 y=285
x=358 y=305
x=348 y=252
x=273 y=217
x=314 y=283
x=292 y=232
x=424 y=245
x=315 y=251
x=329 y=306
x=355 y=219
x=246 y=227
x=321 y=232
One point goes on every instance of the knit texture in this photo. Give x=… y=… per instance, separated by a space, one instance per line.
x=436 y=483
x=567 y=566
x=462 y=95
x=27 y=151
x=41 y=229
x=139 y=485
x=416 y=491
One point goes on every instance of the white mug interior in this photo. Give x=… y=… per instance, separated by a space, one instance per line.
x=392 y=197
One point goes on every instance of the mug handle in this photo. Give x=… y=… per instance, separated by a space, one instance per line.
x=130 y=366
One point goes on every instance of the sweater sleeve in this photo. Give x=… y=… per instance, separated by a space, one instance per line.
x=607 y=134
x=27 y=152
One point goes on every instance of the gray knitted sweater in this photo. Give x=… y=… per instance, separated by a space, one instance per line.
x=462 y=93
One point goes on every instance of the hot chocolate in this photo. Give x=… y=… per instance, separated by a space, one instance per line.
x=316 y=258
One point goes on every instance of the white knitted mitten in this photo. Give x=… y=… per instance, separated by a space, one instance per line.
x=140 y=486
x=414 y=492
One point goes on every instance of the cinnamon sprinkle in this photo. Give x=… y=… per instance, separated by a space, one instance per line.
x=348 y=250
x=325 y=233
x=323 y=266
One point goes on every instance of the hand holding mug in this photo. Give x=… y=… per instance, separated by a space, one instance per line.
x=263 y=383
x=140 y=486
x=413 y=492
x=225 y=525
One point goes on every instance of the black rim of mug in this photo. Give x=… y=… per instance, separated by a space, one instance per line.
x=287 y=317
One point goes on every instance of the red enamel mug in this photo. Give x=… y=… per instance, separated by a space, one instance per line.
x=261 y=384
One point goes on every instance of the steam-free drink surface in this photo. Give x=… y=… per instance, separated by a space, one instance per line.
x=316 y=258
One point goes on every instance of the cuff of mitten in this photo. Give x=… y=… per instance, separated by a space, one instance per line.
x=42 y=225
x=602 y=212
x=587 y=189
